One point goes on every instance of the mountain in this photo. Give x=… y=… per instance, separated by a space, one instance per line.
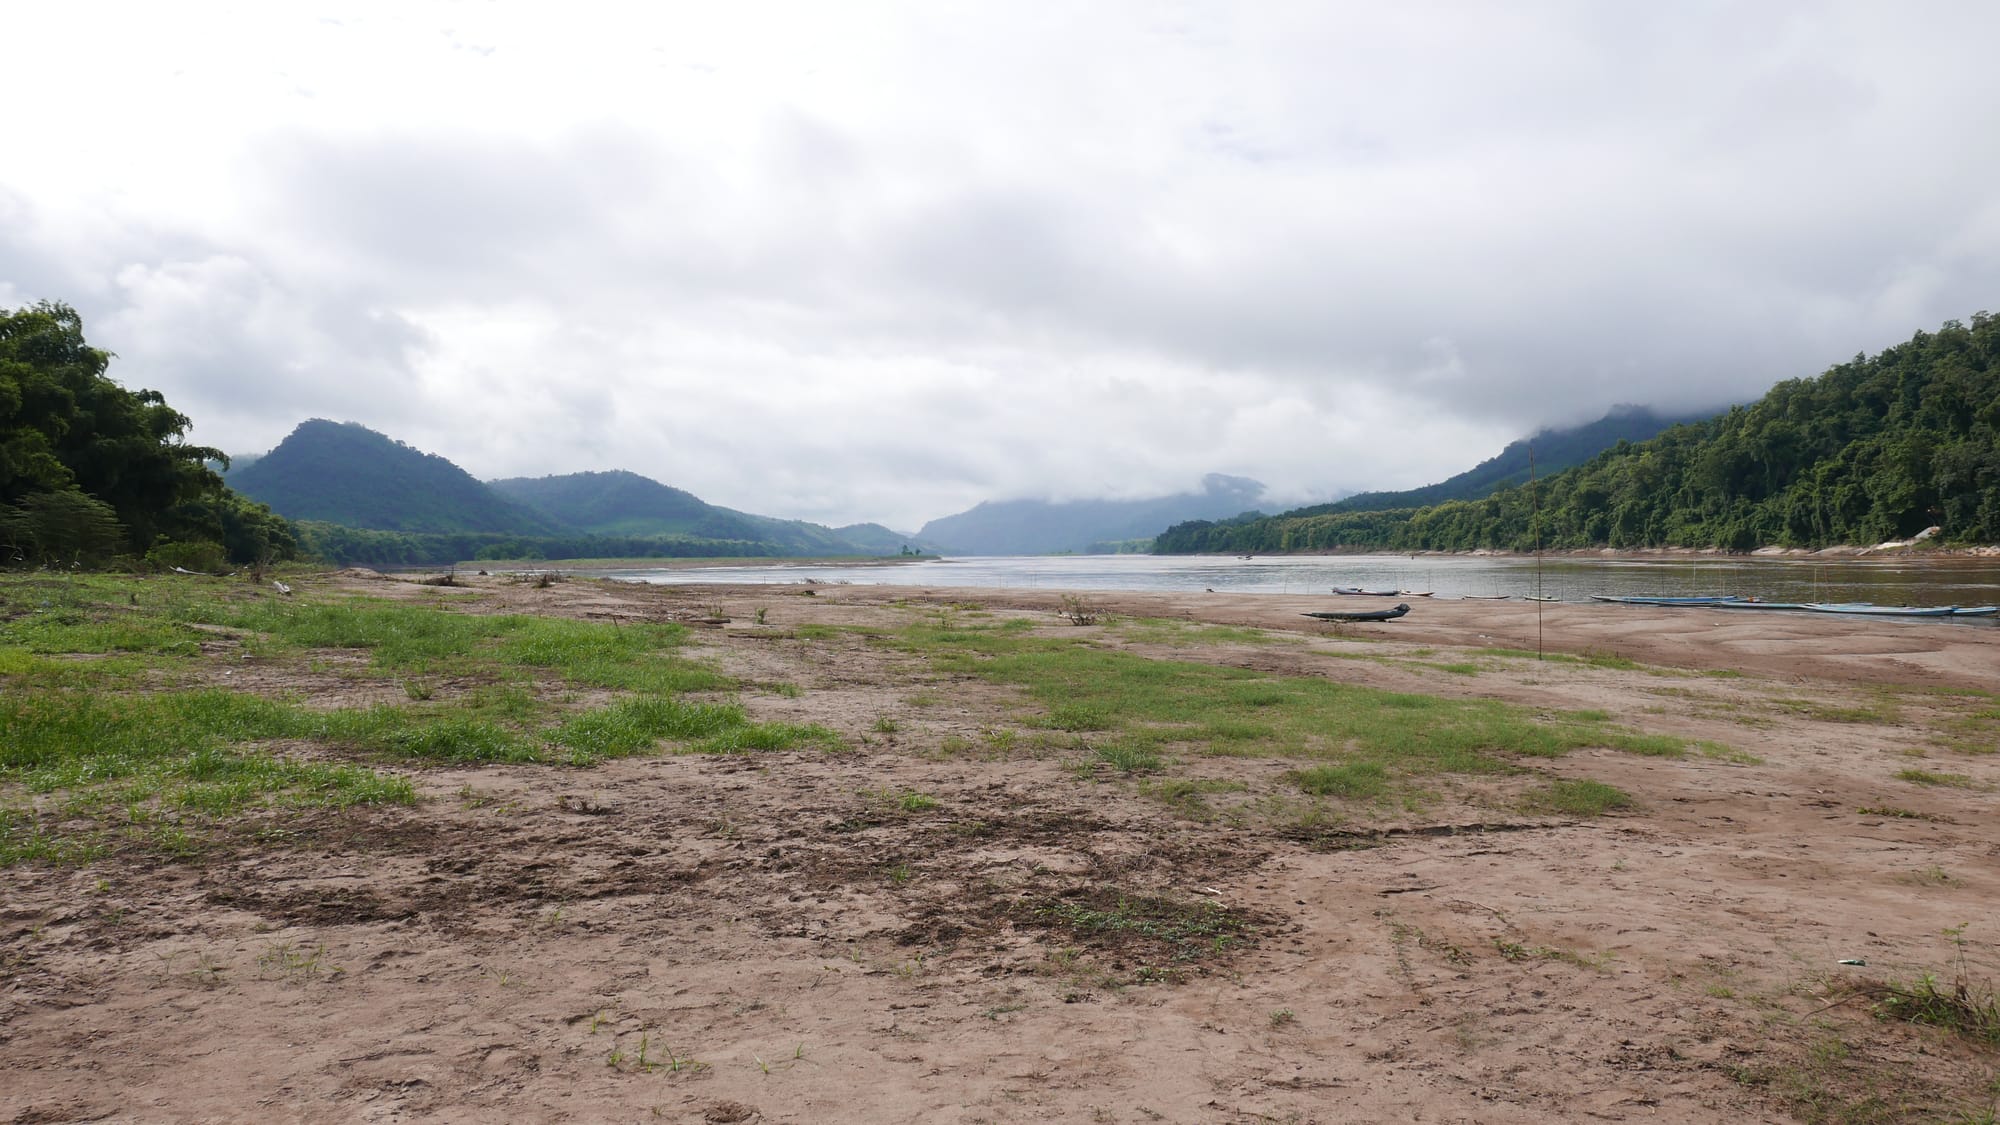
x=343 y=473
x=1039 y=527
x=1552 y=450
x=1872 y=450
x=621 y=503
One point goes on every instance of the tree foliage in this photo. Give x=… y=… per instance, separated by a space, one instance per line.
x=343 y=545
x=89 y=469
x=1874 y=449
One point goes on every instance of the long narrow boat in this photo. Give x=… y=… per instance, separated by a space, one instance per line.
x=1484 y=597
x=1644 y=599
x=1869 y=609
x=1364 y=615
x=1358 y=591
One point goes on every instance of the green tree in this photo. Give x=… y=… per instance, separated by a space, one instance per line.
x=74 y=446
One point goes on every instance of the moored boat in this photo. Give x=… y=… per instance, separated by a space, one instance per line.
x=1640 y=599
x=1364 y=615
x=1870 y=609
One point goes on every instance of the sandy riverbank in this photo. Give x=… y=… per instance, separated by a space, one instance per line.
x=782 y=937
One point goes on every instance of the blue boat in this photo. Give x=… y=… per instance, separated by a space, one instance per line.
x=1711 y=599
x=1870 y=609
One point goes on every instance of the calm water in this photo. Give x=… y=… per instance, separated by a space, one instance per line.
x=1885 y=582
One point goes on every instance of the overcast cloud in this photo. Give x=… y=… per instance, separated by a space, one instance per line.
x=882 y=261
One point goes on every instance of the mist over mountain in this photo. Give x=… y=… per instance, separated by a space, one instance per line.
x=1040 y=527
x=1873 y=450
x=1550 y=450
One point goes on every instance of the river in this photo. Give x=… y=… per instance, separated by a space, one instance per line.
x=1885 y=581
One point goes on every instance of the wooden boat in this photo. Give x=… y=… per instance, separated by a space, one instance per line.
x=1870 y=609
x=1484 y=597
x=1540 y=598
x=1365 y=615
x=1359 y=592
x=1635 y=599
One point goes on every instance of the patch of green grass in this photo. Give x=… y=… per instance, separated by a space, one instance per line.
x=1145 y=924
x=1581 y=797
x=1129 y=759
x=1173 y=632
x=1885 y=713
x=167 y=762
x=1189 y=795
x=1897 y=813
x=637 y=726
x=1352 y=781
x=142 y=756
x=1141 y=707
x=1724 y=753
x=1944 y=780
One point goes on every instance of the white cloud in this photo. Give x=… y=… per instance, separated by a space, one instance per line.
x=882 y=261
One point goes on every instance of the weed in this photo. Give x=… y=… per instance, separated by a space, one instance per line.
x=886 y=725
x=1188 y=795
x=1578 y=798
x=1900 y=813
x=1353 y=781
x=1945 y=780
x=1179 y=931
x=1282 y=1017
x=1966 y=1008
x=293 y=964
x=1519 y=951
x=1078 y=611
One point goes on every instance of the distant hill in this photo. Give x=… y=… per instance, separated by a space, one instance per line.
x=1040 y=527
x=621 y=503
x=1874 y=450
x=343 y=473
x=360 y=496
x=1554 y=450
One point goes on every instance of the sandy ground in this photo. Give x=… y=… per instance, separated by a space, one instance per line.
x=772 y=938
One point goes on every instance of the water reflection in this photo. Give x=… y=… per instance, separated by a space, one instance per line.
x=1921 y=582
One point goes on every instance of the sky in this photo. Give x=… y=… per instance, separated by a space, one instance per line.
x=881 y=261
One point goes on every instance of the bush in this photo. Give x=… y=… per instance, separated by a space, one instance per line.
x=199 y=555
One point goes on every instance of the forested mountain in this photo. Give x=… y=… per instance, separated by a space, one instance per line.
x=620 y=503
x=1552 y=451
x=362 y=497
x=1874 y=449
x=343 y=473
x=1039 y=527
x=89 y=470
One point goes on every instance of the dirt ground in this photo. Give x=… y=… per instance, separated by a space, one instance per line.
x=773 y=937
